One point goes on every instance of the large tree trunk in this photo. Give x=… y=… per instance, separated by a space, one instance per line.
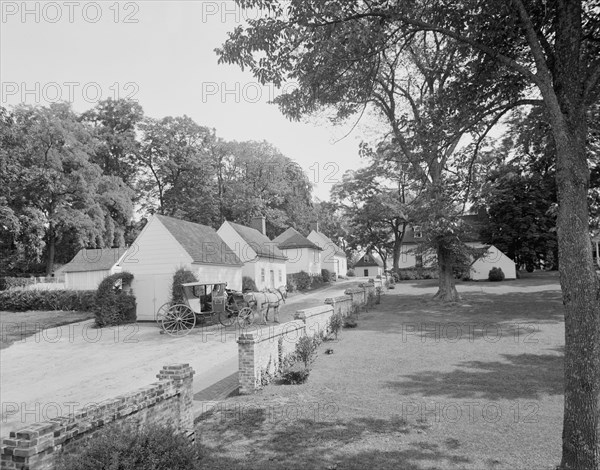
x=51 y=250
x=581 y=298
x=446 y=287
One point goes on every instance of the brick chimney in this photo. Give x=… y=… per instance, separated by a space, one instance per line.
x=260 y=224
x=314 y=226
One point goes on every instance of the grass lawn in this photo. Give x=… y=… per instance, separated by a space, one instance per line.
x=418 y=385
x=16 y=326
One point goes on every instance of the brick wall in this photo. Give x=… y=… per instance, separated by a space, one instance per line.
x=166 y=402
x=262 y=352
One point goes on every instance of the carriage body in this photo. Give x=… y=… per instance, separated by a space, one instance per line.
x=201 y=301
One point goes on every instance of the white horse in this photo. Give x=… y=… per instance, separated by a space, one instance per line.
x=264 y=301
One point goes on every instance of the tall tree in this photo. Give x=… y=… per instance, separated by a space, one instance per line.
x=178 y=175
x=53 y=187
x=520 y=193
x=115 y=123
x=550 y=48
x=376 y=209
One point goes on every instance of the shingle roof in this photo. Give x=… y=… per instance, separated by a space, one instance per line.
x=329 y=242
x=291 y=239
x=258 y=242
x=368 y=260
x=201 y=242
x=96 y=259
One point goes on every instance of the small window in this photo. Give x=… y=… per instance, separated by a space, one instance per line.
x=417 y=232
x=366 y=272
x=262 y=274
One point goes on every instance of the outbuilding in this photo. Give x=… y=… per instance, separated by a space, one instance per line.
x=333 y=257
x=167 y=244
x=369 y=266
x=90 y=266
x=301 y=253
x=263 y=262
x=491 y=257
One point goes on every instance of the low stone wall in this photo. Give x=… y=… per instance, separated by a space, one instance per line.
x=316 y=320
x=341 y=304
x=358 y=296
x=262 y=352
x=166 y=402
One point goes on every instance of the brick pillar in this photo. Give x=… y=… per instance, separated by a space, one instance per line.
x=247 y=364
x=182 y=376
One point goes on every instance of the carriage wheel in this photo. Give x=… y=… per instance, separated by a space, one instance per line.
x=245 y=317
x=179 y=320
x=161 y=313
x=227 y=317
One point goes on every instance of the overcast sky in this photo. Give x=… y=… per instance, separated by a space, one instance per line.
x=160 y=53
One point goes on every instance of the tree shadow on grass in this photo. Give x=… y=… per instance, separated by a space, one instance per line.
x=522 y=376
x=478 y=316
x=338 y=444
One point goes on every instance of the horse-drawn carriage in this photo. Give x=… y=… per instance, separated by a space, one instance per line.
x=203 y=301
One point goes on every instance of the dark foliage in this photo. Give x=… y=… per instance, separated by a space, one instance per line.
x=113 y=304
x=23 y=300
x=150 y=448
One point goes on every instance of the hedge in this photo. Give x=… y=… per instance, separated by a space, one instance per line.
x=113 y=306
x=411 y=274
x=303 y=281
x=23 y=300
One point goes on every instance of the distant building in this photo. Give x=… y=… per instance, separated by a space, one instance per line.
x=333 y=258
x=302 y=254
x=263 y=261
x=369 y=266
x=492 y=257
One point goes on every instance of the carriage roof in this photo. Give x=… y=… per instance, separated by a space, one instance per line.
x=194 y=284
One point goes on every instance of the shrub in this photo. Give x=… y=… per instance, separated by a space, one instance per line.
x=112 y=305
x=496 y=274
x=180 y=277
x=327 y=275
x=149 y=448
x=335 y=324
x=248 y=284
x=350 y=322
x=291 y=284
x=23 y=300
x=350 y=273
x=295 y=375
x=303 y=280
x=305 y=350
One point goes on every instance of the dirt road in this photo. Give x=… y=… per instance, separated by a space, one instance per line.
x=66 y=368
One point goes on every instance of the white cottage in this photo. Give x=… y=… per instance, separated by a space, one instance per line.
x=167 y=244
x=90 y=266
x=333 y=258
x=263 y=261
x=369 y=266
x=491 y=258
x=302 y=254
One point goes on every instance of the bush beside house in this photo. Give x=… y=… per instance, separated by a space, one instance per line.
x=248 y=284
x=114 y=304
x=496 y=275
x=180 y=277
